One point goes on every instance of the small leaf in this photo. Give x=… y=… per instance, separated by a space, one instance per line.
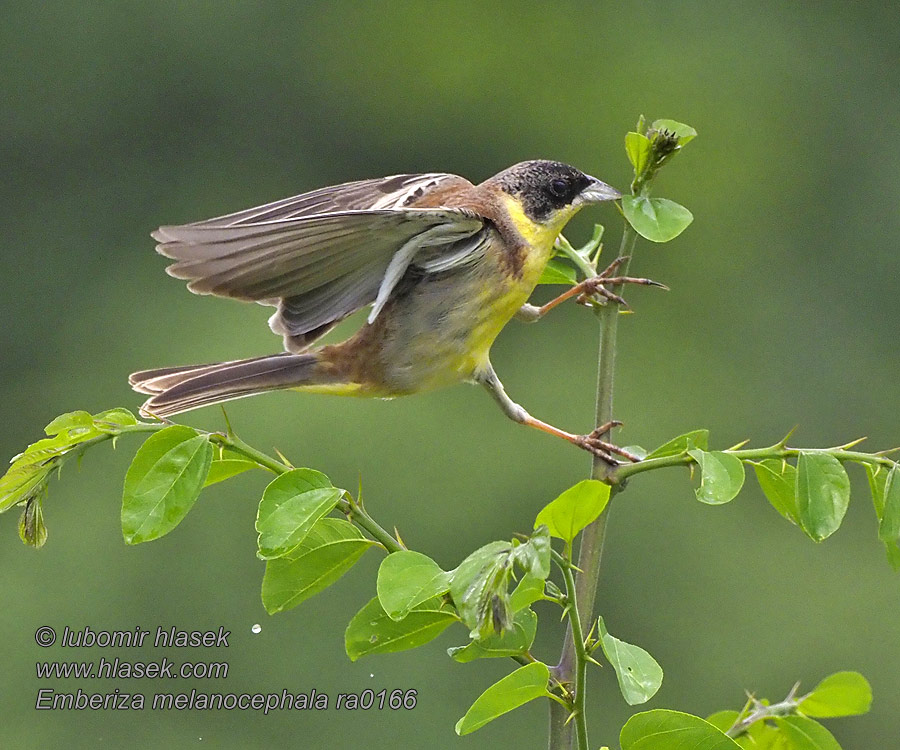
x=329 y=550
x=840 y=694
x=290 y=506
x=371 y=631
x=877 y=479
x=534 y=554
x=684 y=132
x=163 y=481
x=72 y=419
x=721 y=476
x=638 y=673
x=682 y=444
x=657 y=730
x=889 y=525
x=515 y=641
x=823 y=493
x=20 y=482
x=111 y=420
x=656 y=219
x=778 y=481
x=32 y=530
x=637 y=146
x=225 y=468
x=529 y=590
x=478 y=586
x=805 y=734
x=558 y=272
x=574 y=509
x=406 y=579
x=514 y=690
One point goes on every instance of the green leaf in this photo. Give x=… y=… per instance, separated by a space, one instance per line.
x=32 y=530
x=515 y=641
x=805 y=734
x=656 y=219
x=534 y=554
x=721 y=476
x=840 y=694
x=329 y=550
x=823 y=493
x=225 y=468
x=889 y=524
x=478 y=586
x=71 y=420
x=111 y=420
x=529 y=590
x=638 y=673
x=778 y=481
x=661 y=729
x=637 y=146
x=514 y=690
x=290 y=506
x=723 y=720
x=406 y=579
x=684 y=132
x=877 y=479
x=371 y=631
x=574 y=509
x=163 y=481
x=682 y=444
x=558 y=272
x=20 y=482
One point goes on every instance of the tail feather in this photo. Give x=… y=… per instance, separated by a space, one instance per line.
x=178 y=389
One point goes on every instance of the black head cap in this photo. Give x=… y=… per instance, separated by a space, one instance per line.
x=547 y=186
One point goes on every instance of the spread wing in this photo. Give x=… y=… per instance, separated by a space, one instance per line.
x=323 y=255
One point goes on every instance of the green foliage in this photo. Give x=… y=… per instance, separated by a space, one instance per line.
x=656 y=219
x=721 y=476
x=558 y=272
x=777 y=479
x=800 y=733
x=515 y=641
x=163 y=482
x=514 y=690
x=574 y=509
x=840 y=694
x=372 y=631
x=290 y=507
x=329 y=550
x=638 y=673
x=406 y=579
x=823 y=493
x=682 y=444
x=655 y=730
x=479 y=586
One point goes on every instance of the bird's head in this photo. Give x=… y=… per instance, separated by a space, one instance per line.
x=550 y=192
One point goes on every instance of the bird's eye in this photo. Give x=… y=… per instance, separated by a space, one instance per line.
x=559 y=188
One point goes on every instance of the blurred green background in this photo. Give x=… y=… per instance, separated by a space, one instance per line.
x=783 y=311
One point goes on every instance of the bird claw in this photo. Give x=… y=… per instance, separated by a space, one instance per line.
x=608 y=452
x=596 y=285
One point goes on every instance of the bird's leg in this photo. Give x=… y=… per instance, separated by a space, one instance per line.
x=592 y=442
x=586 y=289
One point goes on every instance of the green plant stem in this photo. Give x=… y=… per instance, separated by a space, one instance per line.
x=578 y=709
x=787 y=707
x=590 y=551
x=621 y=473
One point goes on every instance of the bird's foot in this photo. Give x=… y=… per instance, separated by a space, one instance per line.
x=603 y=449
x=597 y=285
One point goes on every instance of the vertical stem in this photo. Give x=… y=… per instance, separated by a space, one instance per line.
x=590 y=550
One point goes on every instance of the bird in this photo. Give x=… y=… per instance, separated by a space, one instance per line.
x=444 y=264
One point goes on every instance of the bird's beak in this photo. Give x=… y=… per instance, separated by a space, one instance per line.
x=597 y=192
